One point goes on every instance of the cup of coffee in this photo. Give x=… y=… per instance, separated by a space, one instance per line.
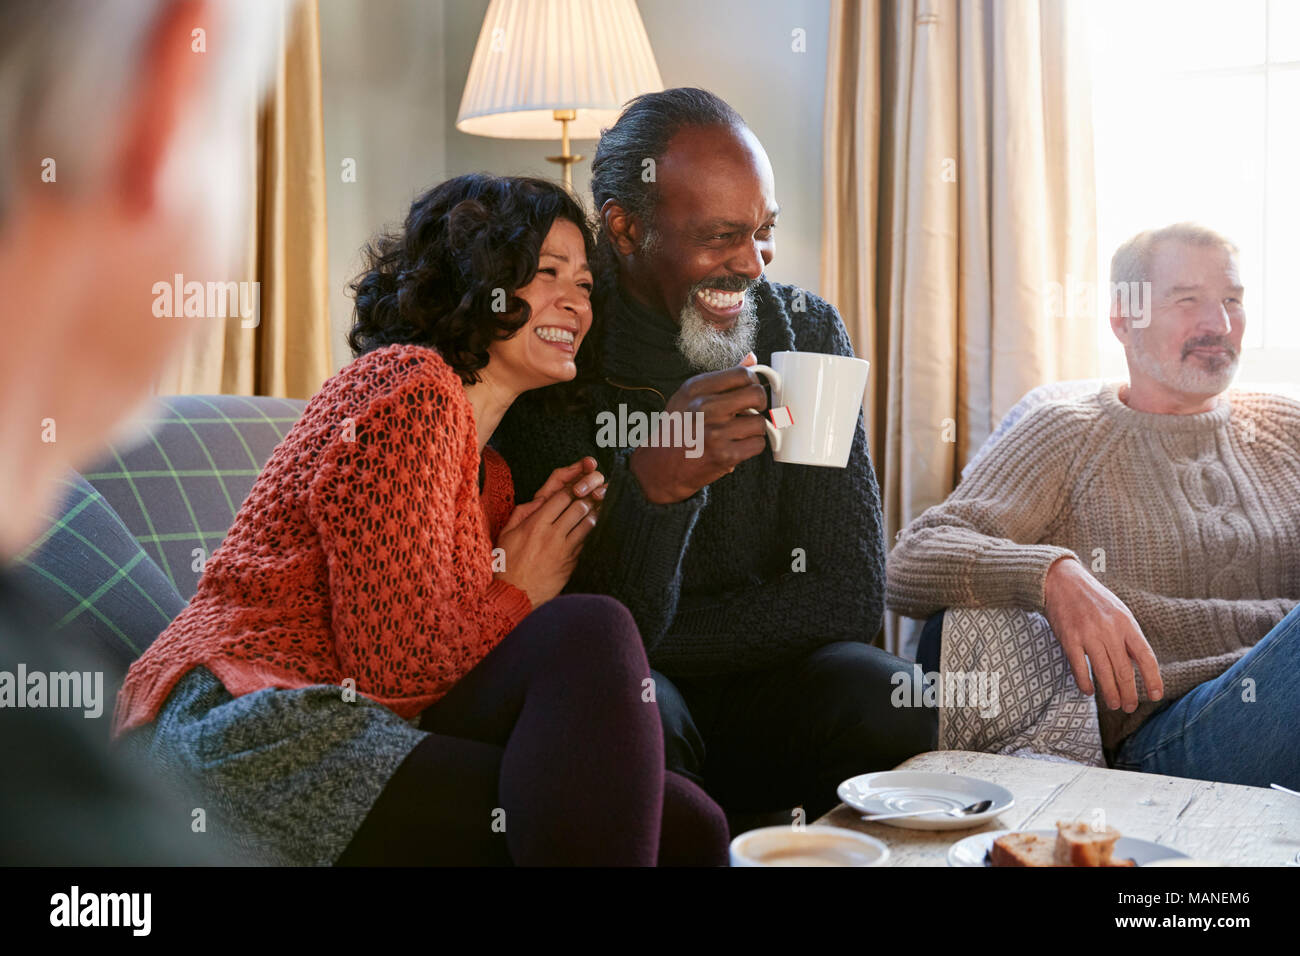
x=807 y=846
x=823 y=395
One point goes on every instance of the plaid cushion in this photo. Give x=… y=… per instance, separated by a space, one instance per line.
x=179 y=490
x=88 y=576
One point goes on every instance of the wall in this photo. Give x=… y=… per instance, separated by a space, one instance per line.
x=393 y=83
x=382 y=74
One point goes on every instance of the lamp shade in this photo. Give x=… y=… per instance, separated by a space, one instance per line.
x=537 y=56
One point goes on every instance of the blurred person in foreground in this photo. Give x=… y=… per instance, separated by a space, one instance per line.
x=137 y=133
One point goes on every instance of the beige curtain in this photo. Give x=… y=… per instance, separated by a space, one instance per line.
x=959 y=200
x=287 y=353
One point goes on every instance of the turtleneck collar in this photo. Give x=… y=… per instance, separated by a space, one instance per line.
x=1152 y=421
x=641 y=347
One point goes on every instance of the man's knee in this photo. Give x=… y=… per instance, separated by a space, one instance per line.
x=865 y=694
x=683 y=745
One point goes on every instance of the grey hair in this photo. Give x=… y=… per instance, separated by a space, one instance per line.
x=68 y=66
x=1132 y=260
x=644 y=128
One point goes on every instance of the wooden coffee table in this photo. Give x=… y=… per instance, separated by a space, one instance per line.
x=1231 y=824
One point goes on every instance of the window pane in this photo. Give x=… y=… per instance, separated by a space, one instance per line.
x=1282 y=322
x=1284 y=30
x=1165 y=36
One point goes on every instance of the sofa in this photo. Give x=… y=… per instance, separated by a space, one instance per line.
x=128 y=536
x=127 y=539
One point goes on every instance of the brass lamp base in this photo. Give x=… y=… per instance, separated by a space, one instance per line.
x=566 y=159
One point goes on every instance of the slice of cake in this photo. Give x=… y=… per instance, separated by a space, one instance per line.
x=1078 y=844
x=1022 y=849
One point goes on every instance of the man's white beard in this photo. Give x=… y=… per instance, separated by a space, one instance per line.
x=1186 y=376
x=710 y=349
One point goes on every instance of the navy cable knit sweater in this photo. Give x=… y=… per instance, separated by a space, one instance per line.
x=764 y=565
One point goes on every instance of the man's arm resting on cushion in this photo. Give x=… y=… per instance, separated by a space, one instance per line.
x=978 y=548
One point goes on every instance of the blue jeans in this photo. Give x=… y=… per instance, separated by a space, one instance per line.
x=1242 y=727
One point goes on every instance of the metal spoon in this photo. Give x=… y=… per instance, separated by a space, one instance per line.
x=966 y=811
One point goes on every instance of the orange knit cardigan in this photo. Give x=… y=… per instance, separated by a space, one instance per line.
x=363 y=551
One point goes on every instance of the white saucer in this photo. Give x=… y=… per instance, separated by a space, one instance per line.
x=972 y=850
x=898 y=791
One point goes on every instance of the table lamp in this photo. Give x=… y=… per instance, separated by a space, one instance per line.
x=539 y=62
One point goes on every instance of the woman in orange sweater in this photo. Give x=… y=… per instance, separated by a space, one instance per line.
x=377 y=667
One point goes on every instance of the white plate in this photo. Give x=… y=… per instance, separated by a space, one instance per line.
x=898 y=791
x=972 y=850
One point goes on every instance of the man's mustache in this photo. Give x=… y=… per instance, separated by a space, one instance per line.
x=1209 y=342
x=725 y=284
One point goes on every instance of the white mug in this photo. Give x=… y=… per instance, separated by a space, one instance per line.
x=813 y=845
x=824 y=395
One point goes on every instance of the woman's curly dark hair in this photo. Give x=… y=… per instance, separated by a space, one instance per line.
x=467 y=245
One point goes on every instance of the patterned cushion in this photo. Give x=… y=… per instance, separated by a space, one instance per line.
x=178 y=490
x=88 y=576
x=1012 y=689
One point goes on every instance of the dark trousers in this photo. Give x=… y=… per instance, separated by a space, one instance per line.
x=547 y=752
x=775 y=739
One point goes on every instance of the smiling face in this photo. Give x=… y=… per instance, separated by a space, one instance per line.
x=559 y=300
x=1190 y=351
x=710 y=240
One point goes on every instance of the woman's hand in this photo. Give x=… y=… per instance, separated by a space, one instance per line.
x=581 y=477
x=543 y=537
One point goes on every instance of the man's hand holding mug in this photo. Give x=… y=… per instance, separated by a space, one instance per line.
x=823 y=396
x=731 y=435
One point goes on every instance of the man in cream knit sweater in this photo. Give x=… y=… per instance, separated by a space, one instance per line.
x=1192 y=494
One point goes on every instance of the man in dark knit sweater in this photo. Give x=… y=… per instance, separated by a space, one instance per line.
x=757 y=585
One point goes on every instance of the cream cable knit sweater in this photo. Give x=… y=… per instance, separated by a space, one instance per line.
x=1193 y=521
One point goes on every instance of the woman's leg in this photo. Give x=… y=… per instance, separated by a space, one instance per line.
x=419 y=819
x=580 y=778
x=694 y=830
x=428 y=812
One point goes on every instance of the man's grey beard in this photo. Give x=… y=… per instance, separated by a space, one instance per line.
x=709 y=348
x=1187 y=377
x=705 y=347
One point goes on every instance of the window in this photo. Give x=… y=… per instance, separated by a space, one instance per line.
x=1197 y=117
